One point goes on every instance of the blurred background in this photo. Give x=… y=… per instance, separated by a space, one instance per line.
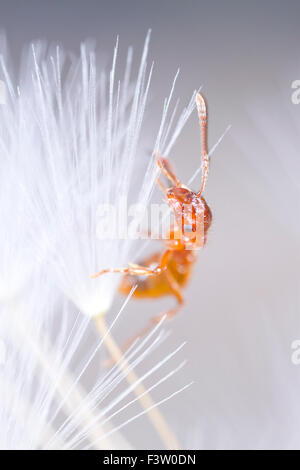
x=242 y=305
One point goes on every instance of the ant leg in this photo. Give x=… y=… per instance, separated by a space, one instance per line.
x=165 y=167
x=201 y=107
x=176 y=290
x=135 y=269
x=162 y=187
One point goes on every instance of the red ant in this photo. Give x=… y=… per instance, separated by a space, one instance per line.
x=173 y=267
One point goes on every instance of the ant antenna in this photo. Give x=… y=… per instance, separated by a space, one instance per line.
x=201 y=108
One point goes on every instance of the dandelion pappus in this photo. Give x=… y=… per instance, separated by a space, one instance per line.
x=168 y=273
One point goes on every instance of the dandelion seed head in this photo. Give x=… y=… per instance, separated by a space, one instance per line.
x=81 y=140
x=72 y=140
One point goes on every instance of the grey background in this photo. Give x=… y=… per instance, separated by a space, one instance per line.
x=242 y=305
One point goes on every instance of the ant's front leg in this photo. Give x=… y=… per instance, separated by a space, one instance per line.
x=165 y=167
x=137 y=270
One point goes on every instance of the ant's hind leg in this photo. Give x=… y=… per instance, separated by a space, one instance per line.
x=176 y=290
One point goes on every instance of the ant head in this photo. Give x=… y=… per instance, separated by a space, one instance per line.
x=192 y=206
x=181 y=196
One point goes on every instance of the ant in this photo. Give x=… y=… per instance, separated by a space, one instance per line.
x=172 y=269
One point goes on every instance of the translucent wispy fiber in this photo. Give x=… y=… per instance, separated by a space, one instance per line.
x=73 y=140
x=81 y=143
x=17 y=259
x=17 y=142
x=51 y=355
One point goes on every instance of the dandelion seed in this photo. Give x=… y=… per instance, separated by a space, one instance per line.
x=72 y=137
x=43 y=403
x=79 y=156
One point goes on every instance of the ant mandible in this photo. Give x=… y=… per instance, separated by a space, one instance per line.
x=186 y=236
